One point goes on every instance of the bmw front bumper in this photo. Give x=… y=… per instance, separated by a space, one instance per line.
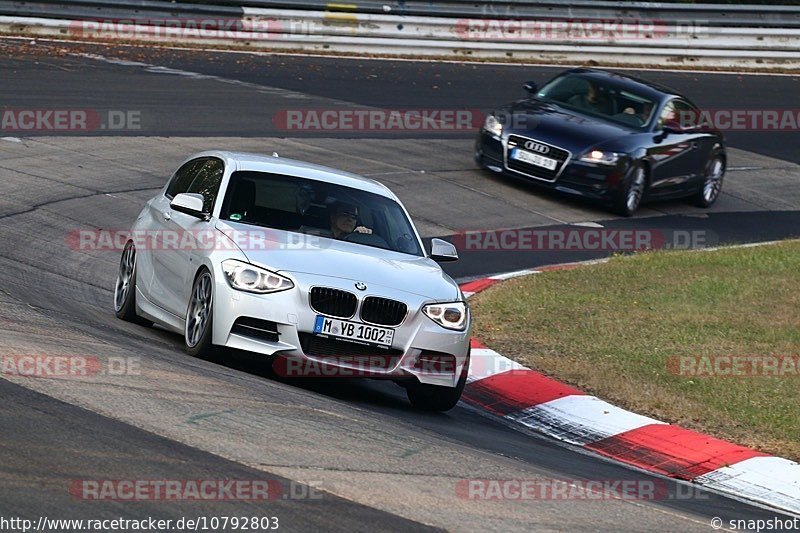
x=289 y=315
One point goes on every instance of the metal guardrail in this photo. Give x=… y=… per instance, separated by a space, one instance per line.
x=354 y=28
x=110 y=9
x=711 y=14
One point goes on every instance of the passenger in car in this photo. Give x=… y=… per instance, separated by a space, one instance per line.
x=593 y=100
x=631 y=116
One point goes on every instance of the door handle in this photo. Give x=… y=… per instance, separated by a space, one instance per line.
x=167 y=215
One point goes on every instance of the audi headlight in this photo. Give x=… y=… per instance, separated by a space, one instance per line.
x=246 y=277
x=451 y=315
x=493 y=125
x=599 y=157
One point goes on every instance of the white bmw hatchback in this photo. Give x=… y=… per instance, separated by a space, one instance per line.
x=319 y=269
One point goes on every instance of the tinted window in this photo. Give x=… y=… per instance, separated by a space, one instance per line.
x=599 y=98
x=679 y=114
x=318 y=208
x=206 y=182
x=183 y=177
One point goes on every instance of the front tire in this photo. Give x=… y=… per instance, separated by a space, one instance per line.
x=434 y=397
x=125 y=288
x=199 y=314
x=631 y=191
x=708 y=193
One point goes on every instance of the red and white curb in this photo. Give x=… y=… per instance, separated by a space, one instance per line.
x=534 y=401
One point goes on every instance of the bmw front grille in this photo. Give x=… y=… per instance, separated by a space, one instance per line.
x=333 y=302
x=383 y=311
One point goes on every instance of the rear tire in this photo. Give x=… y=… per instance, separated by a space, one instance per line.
x=435 y=397
x=629 y=196
x=711 y=188
x=199 y=317
x=125 y=288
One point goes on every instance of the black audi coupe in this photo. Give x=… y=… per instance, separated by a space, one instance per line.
x=606 y=136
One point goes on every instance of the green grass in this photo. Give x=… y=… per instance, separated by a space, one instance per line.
x=612 y=328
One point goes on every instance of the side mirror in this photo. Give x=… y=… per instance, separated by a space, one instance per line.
x=190 y=203
x=443 y=251
x=673 y=126
x=531 y=87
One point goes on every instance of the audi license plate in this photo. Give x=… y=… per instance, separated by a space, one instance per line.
x=353 y=331
x=533 y=159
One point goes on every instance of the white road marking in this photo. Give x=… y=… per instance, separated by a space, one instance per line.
x=155 y=69
x=588 y=224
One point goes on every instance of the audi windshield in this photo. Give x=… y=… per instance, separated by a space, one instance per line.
x=600 y=99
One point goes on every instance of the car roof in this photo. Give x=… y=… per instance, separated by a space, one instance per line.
x=645 y=88
x=246 y=161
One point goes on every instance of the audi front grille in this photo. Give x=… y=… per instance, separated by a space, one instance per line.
x=560 y=155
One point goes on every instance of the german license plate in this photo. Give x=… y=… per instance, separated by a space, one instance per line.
x=533 y=159
x=353 y=331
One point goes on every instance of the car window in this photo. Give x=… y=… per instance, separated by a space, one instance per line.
x=668 y=115
x=679 y=114
x=276 y=194
x=688 y=116
x=633 y=109
x=308 y=206
x=183 y=177
x=599 y=99
x=563 y=88
x=206 y=182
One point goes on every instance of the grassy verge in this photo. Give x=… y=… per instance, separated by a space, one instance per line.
x=616 y=329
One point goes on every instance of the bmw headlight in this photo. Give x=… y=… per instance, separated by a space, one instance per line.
x=246 y=277
x=599 y=157
x=450 y=315
x=493 y=125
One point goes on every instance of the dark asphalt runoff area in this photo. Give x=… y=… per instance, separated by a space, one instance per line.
x=51 y=448
x=675 y=232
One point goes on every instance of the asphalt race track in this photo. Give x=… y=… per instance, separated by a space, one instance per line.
x=324 y=82
x=378 y=463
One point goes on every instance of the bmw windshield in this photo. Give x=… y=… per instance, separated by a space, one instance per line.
x=319 y=208
x=600 y=99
